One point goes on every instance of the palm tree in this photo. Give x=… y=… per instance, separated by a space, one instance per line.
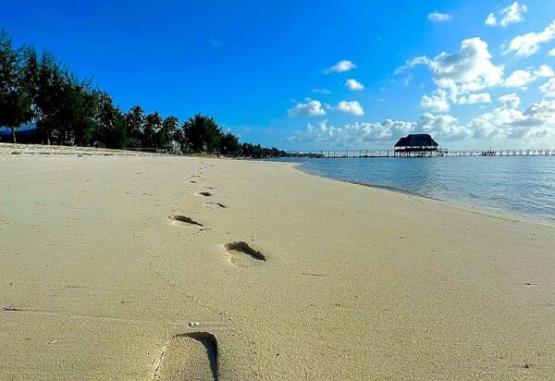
x=202 y=134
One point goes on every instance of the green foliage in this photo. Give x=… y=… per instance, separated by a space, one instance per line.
x=134 y=121
x=167 y=132
x=229 y=145
x=69 y=111
x=15 y=100
x=202 y=134
x=111 y=131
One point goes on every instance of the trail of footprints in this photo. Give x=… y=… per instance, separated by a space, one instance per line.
x=194 y=355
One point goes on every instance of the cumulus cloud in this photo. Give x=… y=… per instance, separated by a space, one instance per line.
x=508 y=121
x=340 y=67
x=458 y=75
x=439 y=17
x=441 y=99
x=437 y=102
x=352 y=134
x=505 y=121
x=476 y=98
x=521 y=78
x=354 y=85
x=461 y=77
x=512 y=14
x=528 y=44
x=443 y=127
x=548 y=88
x=544 y=71
x=308 y=108
x=551 y=53
x=510 y=100
x=471 y=68
x=351 y=107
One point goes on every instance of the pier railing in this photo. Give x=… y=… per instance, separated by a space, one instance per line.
x=440 y=152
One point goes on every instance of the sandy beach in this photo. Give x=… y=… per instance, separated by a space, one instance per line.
x=145 y=267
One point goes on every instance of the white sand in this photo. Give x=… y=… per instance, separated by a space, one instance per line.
x=97 y=283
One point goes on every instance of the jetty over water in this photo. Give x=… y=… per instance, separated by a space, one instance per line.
x=439 y=152
x=419 y=145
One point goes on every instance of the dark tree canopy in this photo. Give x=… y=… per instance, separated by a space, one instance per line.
x=37 y=89
x=15 y=101
x=202 y=134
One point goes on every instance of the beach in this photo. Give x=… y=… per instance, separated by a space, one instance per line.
x=149 y=267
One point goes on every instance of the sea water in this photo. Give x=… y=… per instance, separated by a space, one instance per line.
x=523 y=185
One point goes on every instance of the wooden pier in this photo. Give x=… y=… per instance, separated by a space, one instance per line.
x=440 y=152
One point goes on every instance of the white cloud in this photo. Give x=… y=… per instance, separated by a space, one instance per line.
x=439 y=17
x=551 y=53
x=309 y=108
x=352 y=134
x=512 y=14
x=442 y=126
x=341 y=67
x=469 y=70
x=548 y=88
x=528 y=44
x=351 y=107
x=460 y=76
x=521 y=78
x=491 y=20
x=544 y=71
x=420 y=60
x=321 y=91
x=476 y=98
x=441 y=99
x=354 y=85
x=508 y=122
x=437 y=102
x=510 y=100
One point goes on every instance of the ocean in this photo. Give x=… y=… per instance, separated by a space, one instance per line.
x=522 y=185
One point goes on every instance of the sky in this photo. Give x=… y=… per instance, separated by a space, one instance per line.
x=320 y=74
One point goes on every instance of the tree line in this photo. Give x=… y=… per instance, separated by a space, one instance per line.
x=37 y=89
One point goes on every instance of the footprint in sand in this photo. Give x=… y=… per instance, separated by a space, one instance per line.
x=205 y=194
x=211 y=204
x=184 y=220
x=190 y=356
x=242 y=255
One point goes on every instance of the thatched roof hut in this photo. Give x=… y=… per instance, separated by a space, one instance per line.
x=416 y=141
x=417 y=145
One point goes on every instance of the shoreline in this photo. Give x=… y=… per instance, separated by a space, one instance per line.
x=480 y=209
x=32 y=149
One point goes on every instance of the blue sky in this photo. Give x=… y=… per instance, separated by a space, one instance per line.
x=265 y=70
